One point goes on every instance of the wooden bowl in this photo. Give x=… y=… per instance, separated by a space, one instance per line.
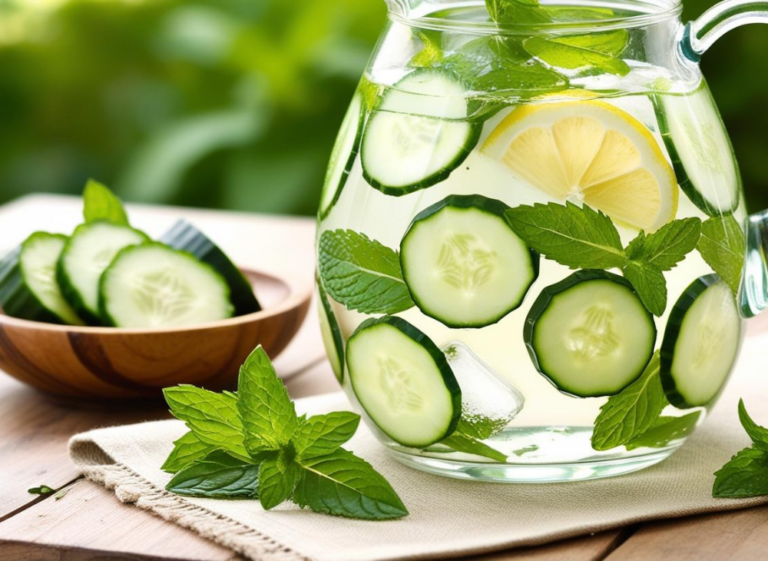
x=108 y=363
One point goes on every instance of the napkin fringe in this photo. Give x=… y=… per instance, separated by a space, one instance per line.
x=129 y=487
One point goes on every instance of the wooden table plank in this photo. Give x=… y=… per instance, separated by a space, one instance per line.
x=741 y=535
x=587 y=548
x=90 y=523
x=34 y=435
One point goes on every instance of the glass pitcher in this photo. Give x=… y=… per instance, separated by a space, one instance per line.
x=531 y=237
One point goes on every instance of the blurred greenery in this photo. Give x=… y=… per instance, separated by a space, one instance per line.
x=232 y=103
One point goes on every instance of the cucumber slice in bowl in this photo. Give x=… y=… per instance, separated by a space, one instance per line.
x=700 y=344
x=28 y=287
x=151 y=285
x=463 y=264
x=403 y=381
x=89 y=251
x=418 y=134
x=590 y=334
x=701 y=152
x=343 y=156
x=331 y=332
x=186 y=237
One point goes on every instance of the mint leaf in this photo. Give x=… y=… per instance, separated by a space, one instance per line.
x=722 y=245
x=668 y=246
x=499 y=65
x=631 y=412
x=664 y=430
x=579 y=238
x=559 y=53
x=213 y=417
x=186 y=450
x=469 y=445
x=758 y=434
x=650 y=285
x=523 y=80
x=323 y=434
x=101 y=204
x=516 y=11
x=217 y=475
x=41 y=490
x=745 y=475
x=342 y=484
x=610 y=43
x=268 y=414
x=277 y=480
x=362 y=274
x=480 y=427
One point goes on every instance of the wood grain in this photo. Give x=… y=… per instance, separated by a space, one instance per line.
x=587 y=548
x=34 y=431
x=95 y=363
x=741 y=535
x=90 y=523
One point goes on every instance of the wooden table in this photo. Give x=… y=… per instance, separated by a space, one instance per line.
x=86 y=522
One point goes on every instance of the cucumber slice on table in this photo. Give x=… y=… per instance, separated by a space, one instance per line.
x=590 y=334
x=463 y=264
x=700 y=344
x=185 y=237
x=331 y=332
x=151 y=285
x=343 y=156
x=28 y=287
x=89 y=251
x=418 y=134
x=403 y=381
x=700 y=150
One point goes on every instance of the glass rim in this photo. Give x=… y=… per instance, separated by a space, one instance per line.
x=646 y=12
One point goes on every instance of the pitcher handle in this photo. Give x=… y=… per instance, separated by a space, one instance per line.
x=697 y=37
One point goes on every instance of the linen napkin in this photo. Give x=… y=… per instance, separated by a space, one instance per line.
x=448 y=517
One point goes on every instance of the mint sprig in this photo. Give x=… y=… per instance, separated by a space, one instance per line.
x=252 y=445
x=746 y=474
x=631 y=412
x=722 y=245
x=590 y=53
x=102 y=204
x=583 y=238
x=361 y=273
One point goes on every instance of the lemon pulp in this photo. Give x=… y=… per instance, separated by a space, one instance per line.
x=590 y=152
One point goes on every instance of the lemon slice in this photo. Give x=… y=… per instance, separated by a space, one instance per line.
x=591 y=152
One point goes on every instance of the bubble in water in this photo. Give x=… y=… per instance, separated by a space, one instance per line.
x=488 y=402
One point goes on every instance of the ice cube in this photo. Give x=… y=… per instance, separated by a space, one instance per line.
x=488 y=402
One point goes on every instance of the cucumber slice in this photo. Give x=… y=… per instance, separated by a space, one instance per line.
x=403 y=381
x=700 y=344
x=89 y=251
x=590 y=334
x=151 y=285
x=700 y=150
x=463 y=264
x=185 y=237
x=418 y=134
x=28 y=287
x=332 y=339
x=343 y=156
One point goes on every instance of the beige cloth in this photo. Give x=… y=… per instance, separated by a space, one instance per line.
x=448 y=517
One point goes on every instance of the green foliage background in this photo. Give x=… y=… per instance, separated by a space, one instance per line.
x=233 y=103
